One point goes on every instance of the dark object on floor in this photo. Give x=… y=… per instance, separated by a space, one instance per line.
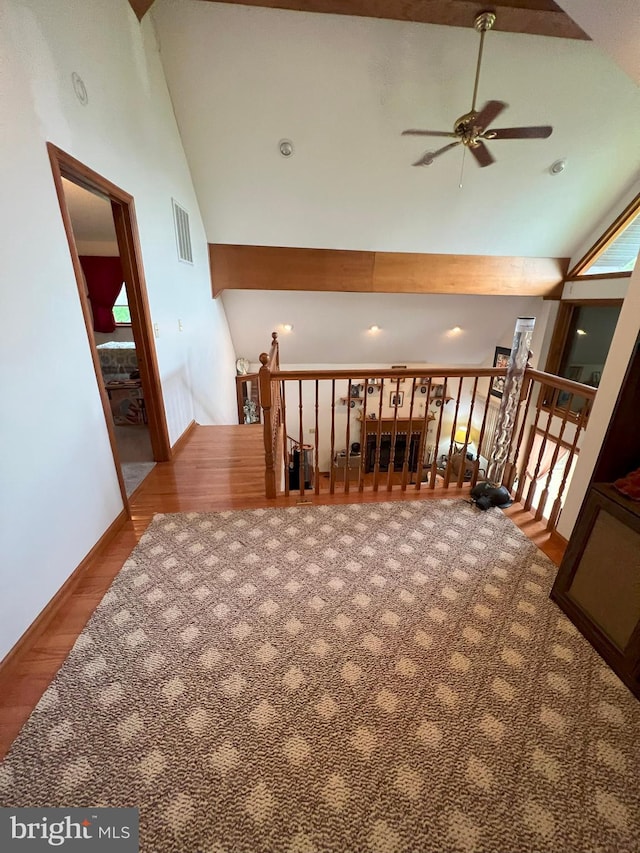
x=486 y=495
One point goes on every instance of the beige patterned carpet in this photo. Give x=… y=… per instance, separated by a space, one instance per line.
x=386 y=677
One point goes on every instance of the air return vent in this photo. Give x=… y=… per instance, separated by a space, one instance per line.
x=183 y=235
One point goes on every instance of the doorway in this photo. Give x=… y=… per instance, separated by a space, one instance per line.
x=99 y=220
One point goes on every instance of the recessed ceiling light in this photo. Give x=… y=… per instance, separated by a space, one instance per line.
x=455 y=331
x=286 y=147
x=557 y=167
x=80 y=89
x=287 y=327
x=374 y=328
x=580 y=332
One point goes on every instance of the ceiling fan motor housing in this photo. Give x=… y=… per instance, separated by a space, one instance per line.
x=484 y=21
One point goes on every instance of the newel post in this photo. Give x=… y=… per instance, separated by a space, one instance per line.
x=264 y=382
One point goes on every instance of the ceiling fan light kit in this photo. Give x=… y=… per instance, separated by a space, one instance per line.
x=471 y=129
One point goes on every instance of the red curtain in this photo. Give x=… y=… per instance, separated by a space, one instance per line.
x=104 y=282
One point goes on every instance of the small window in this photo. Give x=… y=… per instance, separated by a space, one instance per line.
x=616 y=251
x=183 y=234
x=121 y=313
x=620 y=255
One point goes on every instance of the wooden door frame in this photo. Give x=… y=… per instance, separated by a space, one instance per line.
x=63 y=165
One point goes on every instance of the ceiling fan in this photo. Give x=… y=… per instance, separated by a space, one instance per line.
x=471 y=128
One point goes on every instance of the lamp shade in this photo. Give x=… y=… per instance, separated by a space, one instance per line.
x=461 y=434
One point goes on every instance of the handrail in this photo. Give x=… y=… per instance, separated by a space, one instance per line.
x=271 y=359
x=389 y=416
x=387 y=373
x=560 y=383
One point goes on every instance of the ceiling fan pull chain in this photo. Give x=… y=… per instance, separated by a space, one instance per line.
x=464 y=151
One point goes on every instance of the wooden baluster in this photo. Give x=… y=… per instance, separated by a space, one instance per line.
x=542 y=502
x=332 y=474
x=363 y=437
x=447 y=471
x=423 y=434
x=376 y=466
x=463 y=467
x=434 y=464
x=264 y=377
x=240 y=399
x=394 y=434
x=523 y=465
x=347 y=439
x=557 y=504
x=301 y=465
x=545 y=435
x=276 y=417
x=316 y=473
x=407 y=449
x=483 y=426
x=510 y=469
x=285 y=439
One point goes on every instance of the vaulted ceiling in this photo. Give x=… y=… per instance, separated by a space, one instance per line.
x=242 y=78
x=343 y=89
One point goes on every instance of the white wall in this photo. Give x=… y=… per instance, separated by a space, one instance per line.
x=59 y=490
x=617 y=361
x=624 y=339
x=415 y=328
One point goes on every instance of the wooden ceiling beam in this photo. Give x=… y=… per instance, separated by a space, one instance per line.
x=141 y=7
x=535 y=17
x=235 y=267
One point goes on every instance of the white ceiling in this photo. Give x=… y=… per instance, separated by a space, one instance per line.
x=615 y=27
x=344 y=88
x=90 y=214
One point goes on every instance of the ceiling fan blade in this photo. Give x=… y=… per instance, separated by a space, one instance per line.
x=482 y=154
x=429 y=156
x=489 y=113
x=427 y=133
x=541 y=132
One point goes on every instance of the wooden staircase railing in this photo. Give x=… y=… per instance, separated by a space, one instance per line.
x=418 y=428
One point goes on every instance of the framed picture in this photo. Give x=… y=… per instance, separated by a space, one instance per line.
x=500 y=359
x=396 y=398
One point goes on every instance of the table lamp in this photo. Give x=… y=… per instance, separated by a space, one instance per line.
x=460 y=438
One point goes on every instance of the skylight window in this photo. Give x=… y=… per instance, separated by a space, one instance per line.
x=616 y=251
x=620 y=255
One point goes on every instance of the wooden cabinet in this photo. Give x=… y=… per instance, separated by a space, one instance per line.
x=598 y=584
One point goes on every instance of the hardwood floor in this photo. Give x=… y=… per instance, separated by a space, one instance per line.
x=216 y=468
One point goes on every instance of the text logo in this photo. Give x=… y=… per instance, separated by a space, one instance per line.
x=102 y=830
